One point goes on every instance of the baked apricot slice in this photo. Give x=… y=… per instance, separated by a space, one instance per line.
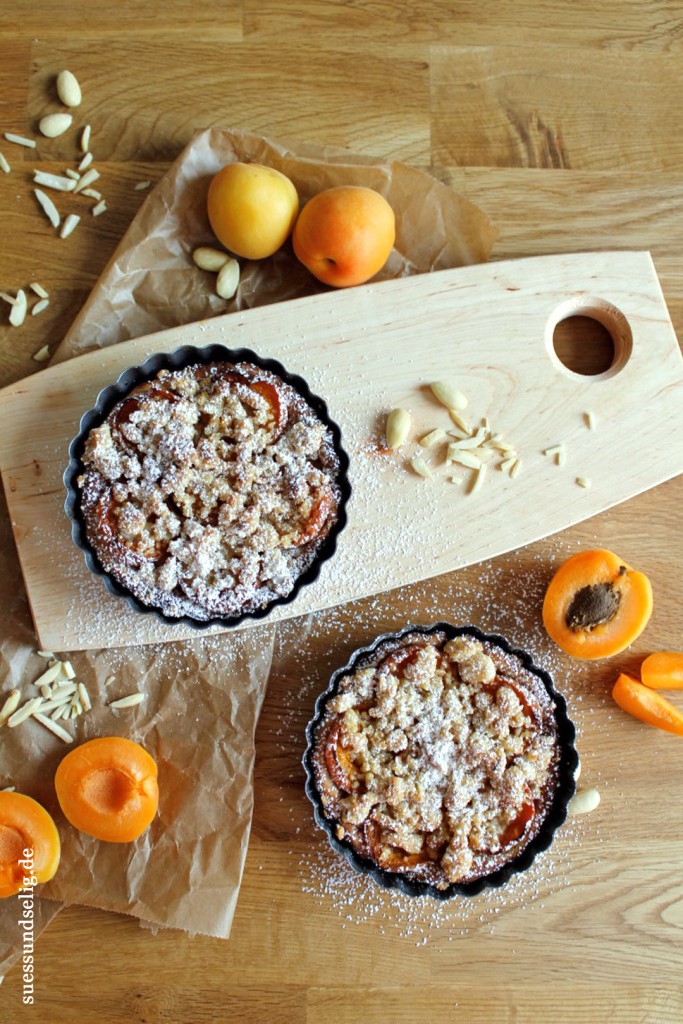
x=663 y=670
x=516 y=828
x=108 y=789
x=596 y=605
x=26 y=825
x=338 y=760
x=647 y=705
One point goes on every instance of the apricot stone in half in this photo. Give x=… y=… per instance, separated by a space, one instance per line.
x=596 y=605
x=108 y=789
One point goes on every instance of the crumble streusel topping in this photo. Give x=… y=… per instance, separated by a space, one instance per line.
x=209 y=490
x=439 y=760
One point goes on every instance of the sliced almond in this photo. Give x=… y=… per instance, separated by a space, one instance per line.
x=448 y=395
x=210 y=259
x=68 y=89
x=228 y=279
x=53 y=125
x=397 y=428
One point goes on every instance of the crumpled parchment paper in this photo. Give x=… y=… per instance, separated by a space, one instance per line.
x=202 y=697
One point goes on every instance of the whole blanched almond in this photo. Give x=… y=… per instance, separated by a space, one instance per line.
x=210 y=259
x=68 y=89
x=397 y=428
x=448 y=395
x=228 y=279
x=55 y=124
x=583 y=802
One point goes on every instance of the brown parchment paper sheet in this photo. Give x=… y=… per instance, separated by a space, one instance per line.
x=203 y=696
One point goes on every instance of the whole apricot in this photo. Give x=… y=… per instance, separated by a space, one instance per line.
x=344 y=235
x=252 y=209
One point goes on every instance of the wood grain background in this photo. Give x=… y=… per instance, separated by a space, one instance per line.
x=565 y=122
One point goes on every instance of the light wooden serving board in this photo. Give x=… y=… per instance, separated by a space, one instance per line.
x=487 y=328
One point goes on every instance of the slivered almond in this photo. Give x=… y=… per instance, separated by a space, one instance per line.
x=479 y=479
x=38 y=290
x=589 y=417
x=515 y=468
x=84 y=697
x=142 y=185
x=74 y=175
x=18 y=311
x=131 y=701
x=67 y=670
x=99 y=209
x=87 y=179
x=583 y=481
x=42 y=354
x=10 y=706
x=40 y=306
x=432 y=438
x=6 y=297
x=49 y=209
x=49 y=675
x=24 y=712
x=85 y=139
x=20 y=140
x=507 y=465
x=59 y=182
x=85 y=162
x=420 y=467
x=460 y=421
x=4 y=164
x=50 y=724
x=91 y=193
x=70 y=224
x=463 y=458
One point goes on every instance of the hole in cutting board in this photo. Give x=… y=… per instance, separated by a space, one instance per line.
x=589 y=337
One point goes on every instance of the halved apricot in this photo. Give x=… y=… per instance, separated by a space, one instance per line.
x=108 y=789
x=338 y=760
x=663 y=670
x=26 y=827
x=596 y=605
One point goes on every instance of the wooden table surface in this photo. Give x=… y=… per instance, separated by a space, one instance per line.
x=565 y=123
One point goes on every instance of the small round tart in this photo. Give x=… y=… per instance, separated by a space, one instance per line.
x=208 y=491
x=436 y=757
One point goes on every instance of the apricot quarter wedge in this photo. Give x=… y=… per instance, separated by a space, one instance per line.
x=663 y=670
x=596 y=605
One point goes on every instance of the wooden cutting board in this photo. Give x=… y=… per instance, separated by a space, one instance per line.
x=486 y=328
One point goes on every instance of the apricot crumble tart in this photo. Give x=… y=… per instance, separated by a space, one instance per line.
x=437 y=759
x=209 y=490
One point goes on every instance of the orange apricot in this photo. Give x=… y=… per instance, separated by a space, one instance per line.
x=252 y=209
x=663 y=670
x=647 y=705
x=108 y=789
x=596 y=605
x=344 y=235
x=26 y=828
